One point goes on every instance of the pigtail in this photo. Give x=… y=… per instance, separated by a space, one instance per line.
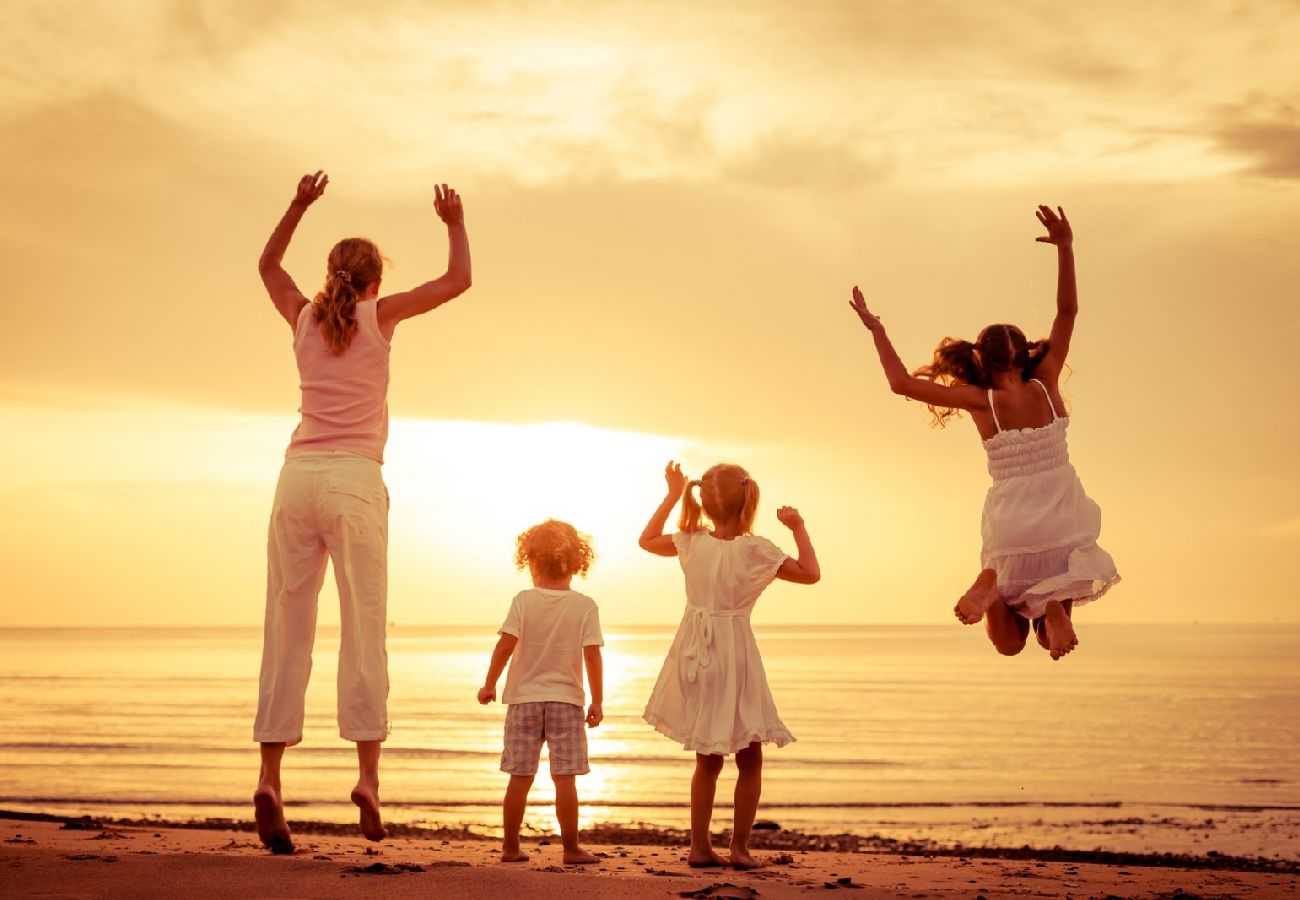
x=690 y=517
x=1035 y=351
x=955 y=361
x=749 y=507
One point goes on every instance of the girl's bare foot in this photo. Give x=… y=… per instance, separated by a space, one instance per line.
x=976 y=601
x=513 y=855
x=271 y=826
x=1060 y=630
x=576 y=856
x=741 y=859
x=705 y=859
x=367 y=800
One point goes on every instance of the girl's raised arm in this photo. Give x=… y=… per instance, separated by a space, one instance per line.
x=653 y=538
x=432 y=294
x=1061 y=234
x=288 y=300
x=805 y=569
x=961 y=396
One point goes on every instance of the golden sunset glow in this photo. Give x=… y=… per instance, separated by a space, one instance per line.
x=667 y=209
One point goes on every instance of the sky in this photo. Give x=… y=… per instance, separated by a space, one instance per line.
x=667 y=205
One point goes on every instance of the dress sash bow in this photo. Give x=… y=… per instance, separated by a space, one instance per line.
x=697 y=646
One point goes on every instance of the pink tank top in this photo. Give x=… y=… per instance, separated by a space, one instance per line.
x=344 y=397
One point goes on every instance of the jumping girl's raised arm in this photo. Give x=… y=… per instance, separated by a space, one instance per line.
x=805 y=569
x=1061 y=234
x=653 y=537
x=288 y=300
x=960 y=396
x=432 y=294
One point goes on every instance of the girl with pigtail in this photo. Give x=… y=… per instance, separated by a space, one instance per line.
x=330 y=501
x=712 y=693
x=1040 y=557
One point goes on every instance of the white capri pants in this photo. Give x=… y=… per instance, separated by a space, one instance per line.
x=329 y=504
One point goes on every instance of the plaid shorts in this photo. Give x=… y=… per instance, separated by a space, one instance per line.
x=561 y=725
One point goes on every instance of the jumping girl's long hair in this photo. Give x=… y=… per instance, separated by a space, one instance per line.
x=999 y=348
x=726 y=492
x=353 y=264
x=554 y=549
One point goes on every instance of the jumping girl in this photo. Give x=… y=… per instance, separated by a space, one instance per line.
x=712 y=693
x=331 y=503
x=1040 y=556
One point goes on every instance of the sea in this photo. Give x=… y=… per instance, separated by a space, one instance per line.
x=1169 y=738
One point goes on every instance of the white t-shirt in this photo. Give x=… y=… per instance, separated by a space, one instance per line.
x=552 y=628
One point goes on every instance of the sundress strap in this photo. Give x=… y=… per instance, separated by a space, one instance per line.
x=993 y=409
x=1050 y=404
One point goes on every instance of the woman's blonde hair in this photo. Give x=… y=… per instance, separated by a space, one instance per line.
x=727 y=493
x=353 y=265
x=554 y=549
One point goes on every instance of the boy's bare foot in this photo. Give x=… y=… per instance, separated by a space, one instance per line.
x=705 y=860
x=271 y=826
x=367 y=800
x=1060 y=630
x=513 y=856
x=742 y=859
x=973 y=604
x=579 y=857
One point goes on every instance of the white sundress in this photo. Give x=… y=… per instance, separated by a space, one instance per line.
x=712 y=694
x=1040 y=529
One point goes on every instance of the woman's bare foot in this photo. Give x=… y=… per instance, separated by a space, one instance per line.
x=705 y=859
x=367 y=800
x=576 y=856
x=271 y=826
x=742 y=859
x=976 y=601
x=513 y=855
x=1060 y=630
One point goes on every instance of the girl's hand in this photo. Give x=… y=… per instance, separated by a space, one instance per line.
x=1058 y=227
x=486 y=694
x=790 y=518
x=310 y=187
x=859 y=304
x=446 y=204
x=676 y=480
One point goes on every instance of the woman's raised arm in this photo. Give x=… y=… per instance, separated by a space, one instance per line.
x=432 y=294
x=288 y=300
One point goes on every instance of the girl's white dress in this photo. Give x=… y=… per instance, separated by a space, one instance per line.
x=1040 y=529
x=712 y=692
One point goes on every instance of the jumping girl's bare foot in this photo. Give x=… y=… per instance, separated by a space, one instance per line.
x=976 y=602
x=271 y=826
x=513 y=856
x=579 y=857
x=741 y=859
x=367 y=800
x=702 y=860
x=1060 y=630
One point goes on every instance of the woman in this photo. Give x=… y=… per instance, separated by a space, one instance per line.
x=331 y=503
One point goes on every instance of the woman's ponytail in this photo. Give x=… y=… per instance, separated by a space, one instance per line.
x=353 y=265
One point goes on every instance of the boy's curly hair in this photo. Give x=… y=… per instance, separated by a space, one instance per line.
x=554 y=549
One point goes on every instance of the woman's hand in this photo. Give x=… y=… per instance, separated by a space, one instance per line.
x=676 y=480
x=859 y=304
x=447 y=204
x=1058 y=227
x=310 y=187
x=790 y=518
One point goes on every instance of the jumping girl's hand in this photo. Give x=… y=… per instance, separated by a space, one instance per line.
x=859 y=304
x=1058 y=227
x=676 y=480
x=447 y=205
x=310 y=187
x=789 y=517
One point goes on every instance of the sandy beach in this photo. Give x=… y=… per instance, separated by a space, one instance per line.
x=88 y=859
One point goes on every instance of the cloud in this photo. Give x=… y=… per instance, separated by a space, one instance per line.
x=1267 y=141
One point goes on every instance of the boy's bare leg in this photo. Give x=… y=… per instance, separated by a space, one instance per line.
x=982 y=594
x=1061 y=638
x=366 y=794
x=268 y=808
x=512 y=817
x=1006 y=629
x=566 y=810
x=704 y=785
x=749 y=785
